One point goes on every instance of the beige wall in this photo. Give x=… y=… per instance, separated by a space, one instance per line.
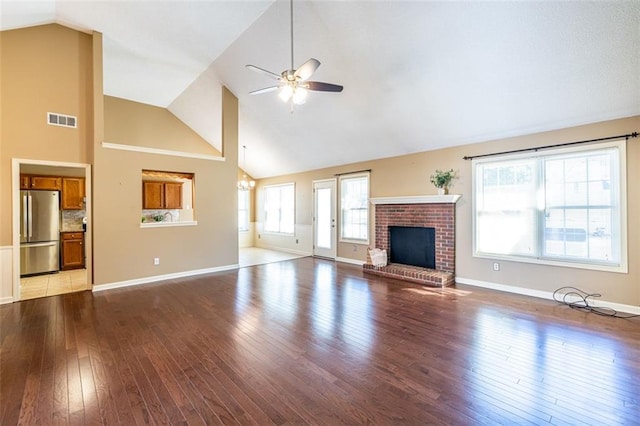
x=123 y=250
x=43 y=69
x=52 y=68
x=149 y=126
x=409 y=175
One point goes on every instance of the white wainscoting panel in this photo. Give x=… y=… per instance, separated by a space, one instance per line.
x=6 y=274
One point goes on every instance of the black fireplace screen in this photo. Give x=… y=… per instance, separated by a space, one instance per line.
x=413 y=246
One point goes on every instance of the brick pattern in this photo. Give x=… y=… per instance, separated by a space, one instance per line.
x=424 y=276
x=442 y=217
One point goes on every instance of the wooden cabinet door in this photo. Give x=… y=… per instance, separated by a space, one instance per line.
x=172 y=195
x=72 y=250
x=24 y=181
x=73 y=193
x=152 y=195
x=46 y=182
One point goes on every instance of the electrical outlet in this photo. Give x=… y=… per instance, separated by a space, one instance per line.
x=156 y=260
x=496 y=266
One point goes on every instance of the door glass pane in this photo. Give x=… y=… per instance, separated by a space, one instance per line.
x=323 y=218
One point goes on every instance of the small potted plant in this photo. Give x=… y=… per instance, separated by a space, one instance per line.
x=442 y=180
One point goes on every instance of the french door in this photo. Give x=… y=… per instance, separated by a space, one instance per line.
x=324 y=218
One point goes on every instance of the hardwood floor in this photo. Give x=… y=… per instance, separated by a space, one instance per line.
x=309 y=341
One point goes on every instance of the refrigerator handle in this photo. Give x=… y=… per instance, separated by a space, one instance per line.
x=25 y=215
x=30 y=215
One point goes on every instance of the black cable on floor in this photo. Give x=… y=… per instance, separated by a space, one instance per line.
x=578 y=299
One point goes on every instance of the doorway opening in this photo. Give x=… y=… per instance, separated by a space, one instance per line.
x=66 y=266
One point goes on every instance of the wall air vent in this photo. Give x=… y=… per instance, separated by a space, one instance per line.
x=55 y=119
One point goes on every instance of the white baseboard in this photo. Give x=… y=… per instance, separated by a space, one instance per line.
x=155 y=278
x=5 y=300
x=630 y=309
x=351 y=261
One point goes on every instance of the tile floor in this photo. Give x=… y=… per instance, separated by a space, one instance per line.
x=52 y=284
x=249 y=256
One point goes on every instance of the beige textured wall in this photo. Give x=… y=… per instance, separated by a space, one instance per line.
x=122 y=250
x=43 y=69
x=409 y=175
x=137 y=124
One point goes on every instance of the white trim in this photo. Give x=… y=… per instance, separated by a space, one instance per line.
x=155 y=278
x=544 y=294
x=349 y=260
x=420 y=199
x=167 y=224
x=6 y=274
x=147 y=150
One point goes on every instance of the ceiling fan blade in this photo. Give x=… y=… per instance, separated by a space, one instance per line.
x=323 y=87
x=305 y=70
x=265 y=90
x=265 y=72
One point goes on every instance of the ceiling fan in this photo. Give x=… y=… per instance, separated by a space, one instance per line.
x=293 y=83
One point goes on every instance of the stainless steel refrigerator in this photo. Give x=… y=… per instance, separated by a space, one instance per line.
x=39 y=232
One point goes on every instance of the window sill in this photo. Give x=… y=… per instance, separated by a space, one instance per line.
x=167 y=224
x=622 y=268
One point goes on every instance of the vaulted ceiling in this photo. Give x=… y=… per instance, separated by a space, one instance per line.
x=417 y=75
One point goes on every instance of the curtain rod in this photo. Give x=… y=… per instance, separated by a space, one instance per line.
x=627 y=136
x=351 y=173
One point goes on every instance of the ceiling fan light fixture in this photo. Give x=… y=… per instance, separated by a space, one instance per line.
x=285 y=93
x=299 y=95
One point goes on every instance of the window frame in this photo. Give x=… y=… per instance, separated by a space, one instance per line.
x=342 y=238
x=266 y=189
x=539 y=257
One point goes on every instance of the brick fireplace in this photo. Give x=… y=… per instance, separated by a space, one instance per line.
x=436 y=212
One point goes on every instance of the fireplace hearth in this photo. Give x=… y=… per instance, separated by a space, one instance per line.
x=434 y=212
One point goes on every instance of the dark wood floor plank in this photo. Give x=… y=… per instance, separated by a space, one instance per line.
x=310 y=341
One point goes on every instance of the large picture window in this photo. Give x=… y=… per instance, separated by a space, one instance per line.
x=279 y=208
x=354 y=207
x=563 y=206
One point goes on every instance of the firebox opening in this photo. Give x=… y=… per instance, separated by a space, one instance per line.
x=412 y=246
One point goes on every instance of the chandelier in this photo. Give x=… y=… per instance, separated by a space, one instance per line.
x=245 y=184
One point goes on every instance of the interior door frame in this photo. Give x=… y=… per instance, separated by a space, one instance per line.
x=334 y=237
x=15 y=187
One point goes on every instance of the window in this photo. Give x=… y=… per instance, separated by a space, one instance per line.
x=354 y=207
x=564 y=207
x=279 y=208
x=167 y=198
x=243 y=210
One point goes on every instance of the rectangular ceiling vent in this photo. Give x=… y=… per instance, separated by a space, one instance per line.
x=55 y=119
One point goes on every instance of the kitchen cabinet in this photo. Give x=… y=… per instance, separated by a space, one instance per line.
x=24 y=181
x=72 y=250
x=73 y=193
x=173 y=195
x=161 y=195
x=53 y=183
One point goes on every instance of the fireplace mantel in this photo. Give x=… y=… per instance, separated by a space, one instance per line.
x=419 y=199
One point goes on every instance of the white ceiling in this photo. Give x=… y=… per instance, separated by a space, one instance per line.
x=418 y=75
